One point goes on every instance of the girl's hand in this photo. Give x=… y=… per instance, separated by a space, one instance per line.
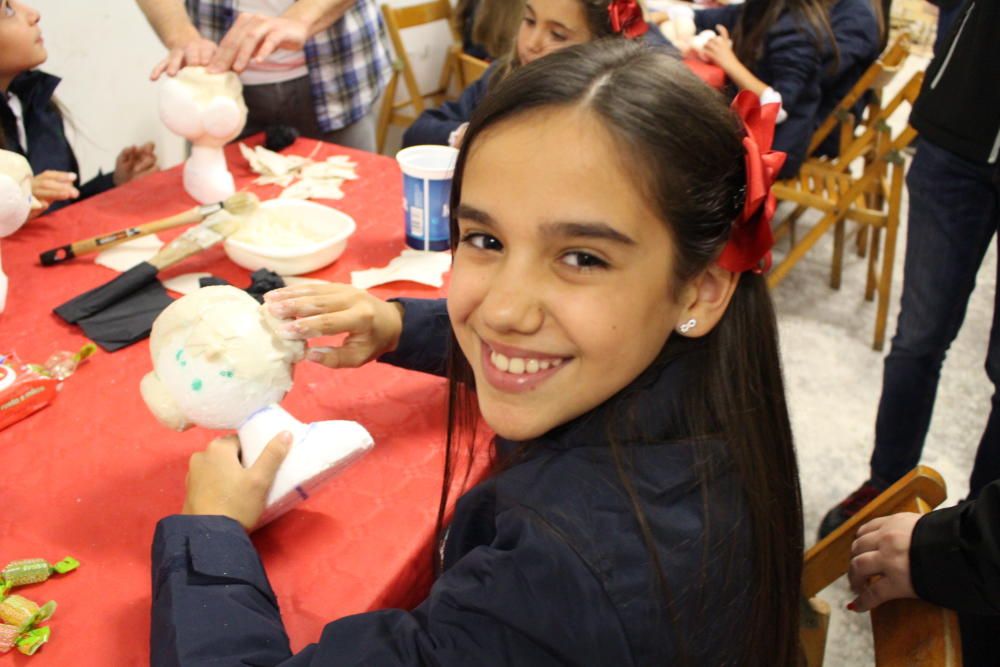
x=882 y=550
x=134 y=162
x=372 y=326
x=198 y=51
x=456 y=138
x=256 y=36
x=51 y=186
x=719 y=50
x=217 y=484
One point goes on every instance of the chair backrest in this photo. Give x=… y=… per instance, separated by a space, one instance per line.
x=906 y=632
x=875 y=78
x=398 y=19
x=470 y=68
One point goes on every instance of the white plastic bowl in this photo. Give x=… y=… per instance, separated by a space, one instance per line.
x=335 y=226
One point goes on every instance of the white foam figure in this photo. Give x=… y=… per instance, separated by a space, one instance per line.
x=16 y=203
x=218 y=363
x=208 y=110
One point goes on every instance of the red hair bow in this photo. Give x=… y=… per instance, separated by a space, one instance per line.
x=750 y=242
x=627 y=19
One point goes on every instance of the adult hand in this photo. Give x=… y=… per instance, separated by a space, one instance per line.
x=197 y=51
x=372 y=326
x=719 y=49
x=217 y=484
x=257 y=36
x=880 y=561
x=51 y=186
x=135 y=161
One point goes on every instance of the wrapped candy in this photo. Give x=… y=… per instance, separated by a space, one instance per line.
x=32 y=571
x=32 y=640
x=8 y=637
x=22 y=613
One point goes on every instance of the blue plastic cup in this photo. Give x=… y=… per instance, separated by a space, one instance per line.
x=427 y=172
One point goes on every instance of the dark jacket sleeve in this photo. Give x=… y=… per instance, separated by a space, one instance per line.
x=955 y=555
x=792 y=65
x=707 y=19
x=434 y=125
x=518 y=601
x=423 y=343
x=98 y=184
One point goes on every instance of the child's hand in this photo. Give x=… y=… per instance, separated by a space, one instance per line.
x=198 y=51
x=373 y=326
x=134 y=162
x=256 y=36
x=882 y=550
x=719 y=50
x=51 y=186
x=217 y=484
x=456 y=138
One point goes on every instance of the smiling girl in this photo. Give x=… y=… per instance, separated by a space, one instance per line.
x=607 y=317
x=546 y=27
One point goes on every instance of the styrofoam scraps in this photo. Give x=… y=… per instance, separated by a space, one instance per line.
x=301 y=177
x=418 y=266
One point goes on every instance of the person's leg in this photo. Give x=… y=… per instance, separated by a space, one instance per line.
x=950 y=225
x=949 y=229
x=987 y=466
x=360 y=134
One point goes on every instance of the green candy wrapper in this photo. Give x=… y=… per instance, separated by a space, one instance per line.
x=32 y=571
x=33 y=640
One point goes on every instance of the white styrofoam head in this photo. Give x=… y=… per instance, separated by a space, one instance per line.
x=206 y=109
x=15 y=192
x=216 y=360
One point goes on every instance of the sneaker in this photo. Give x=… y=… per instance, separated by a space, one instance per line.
x=853 y=504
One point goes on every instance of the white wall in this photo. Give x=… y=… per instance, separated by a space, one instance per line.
x=104 y=51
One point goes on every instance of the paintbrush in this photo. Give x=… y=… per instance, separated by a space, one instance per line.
x=191 y=242
x=240 y=204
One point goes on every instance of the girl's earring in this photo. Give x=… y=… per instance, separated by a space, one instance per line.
x=688 y=326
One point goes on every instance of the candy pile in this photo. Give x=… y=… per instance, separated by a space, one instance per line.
x=301 y=176
x=19 y=616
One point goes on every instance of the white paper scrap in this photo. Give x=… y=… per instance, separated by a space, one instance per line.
x=418 y=266
x=123 y=257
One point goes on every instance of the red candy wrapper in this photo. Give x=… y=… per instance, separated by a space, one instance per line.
x=23 y=390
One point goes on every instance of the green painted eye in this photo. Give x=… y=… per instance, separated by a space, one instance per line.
x=226 y=374
x=180 y=357
x=196 y=385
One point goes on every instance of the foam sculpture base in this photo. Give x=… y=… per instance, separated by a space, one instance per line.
x=319 y=451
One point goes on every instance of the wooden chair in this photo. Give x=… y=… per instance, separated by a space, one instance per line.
x=863 y=184
x=468 y=69
x=910 y=633
x=396 y=20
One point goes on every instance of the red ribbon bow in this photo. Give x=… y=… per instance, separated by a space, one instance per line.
x=627 y=19
x=750 y=242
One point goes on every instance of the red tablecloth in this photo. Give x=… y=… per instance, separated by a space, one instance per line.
x=92 y=473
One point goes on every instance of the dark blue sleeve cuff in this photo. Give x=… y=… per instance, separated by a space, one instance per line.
x=423 y=344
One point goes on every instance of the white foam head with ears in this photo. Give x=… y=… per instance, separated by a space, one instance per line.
x=15 y=192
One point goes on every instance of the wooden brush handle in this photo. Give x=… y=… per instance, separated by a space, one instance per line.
x=105 y=241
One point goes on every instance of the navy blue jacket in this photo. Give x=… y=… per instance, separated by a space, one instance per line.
x=543 y=562
x=434 y=126
x=792 y=64
x=48 y=147
x=855 y=28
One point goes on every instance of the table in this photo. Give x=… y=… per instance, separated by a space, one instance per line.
x=91 y=474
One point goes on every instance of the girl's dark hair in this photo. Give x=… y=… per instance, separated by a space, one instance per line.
x=758 y=16
x=683 y=145
x=598 y=22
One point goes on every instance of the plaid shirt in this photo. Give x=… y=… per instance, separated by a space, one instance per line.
x=349 y=64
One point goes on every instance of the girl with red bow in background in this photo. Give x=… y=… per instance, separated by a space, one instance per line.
x=780 y=50
x=546 y=26
x=608 y=320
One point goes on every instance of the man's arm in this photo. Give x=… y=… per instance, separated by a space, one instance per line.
x=254 y=36
x=172 y=25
